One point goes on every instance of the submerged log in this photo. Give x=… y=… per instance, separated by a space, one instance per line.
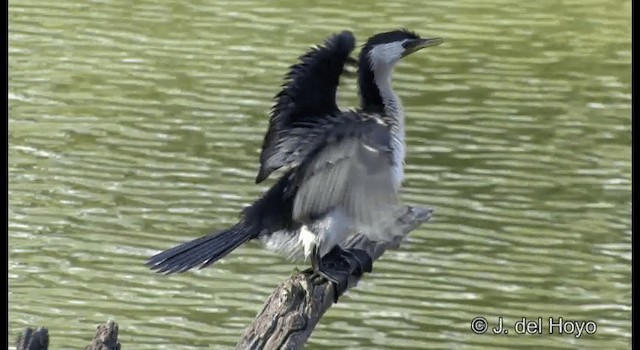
x=292 y=311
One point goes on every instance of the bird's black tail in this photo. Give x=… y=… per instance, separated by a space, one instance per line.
x=202 y=251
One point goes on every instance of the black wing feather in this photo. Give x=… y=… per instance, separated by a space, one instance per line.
x=309 y=91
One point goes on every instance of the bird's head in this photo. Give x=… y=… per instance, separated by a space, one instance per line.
x=384 y=50
x=376 y=61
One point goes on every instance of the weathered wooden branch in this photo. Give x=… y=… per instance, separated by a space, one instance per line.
x=292 y=311
x=288 y=316
x=106 y=338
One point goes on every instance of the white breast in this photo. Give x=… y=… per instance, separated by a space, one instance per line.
x=398 y=160
x=393 y=107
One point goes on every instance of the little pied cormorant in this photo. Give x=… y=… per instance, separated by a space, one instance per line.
x=343 y=169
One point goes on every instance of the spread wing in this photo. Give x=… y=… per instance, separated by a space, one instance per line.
x=342 y=161
x=309 y=91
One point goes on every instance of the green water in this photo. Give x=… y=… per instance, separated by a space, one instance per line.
x=136 y=125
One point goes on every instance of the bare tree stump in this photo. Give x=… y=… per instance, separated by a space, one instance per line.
x=33 y=340
x=292 y=311
x=106 y=338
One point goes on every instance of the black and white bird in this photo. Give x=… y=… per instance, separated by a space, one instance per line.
x=343 y=169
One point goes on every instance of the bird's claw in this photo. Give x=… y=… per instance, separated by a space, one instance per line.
x=339 y=280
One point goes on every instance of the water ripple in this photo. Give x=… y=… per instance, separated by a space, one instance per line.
x=136 y=126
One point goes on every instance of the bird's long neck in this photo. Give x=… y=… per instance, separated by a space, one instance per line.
x=377 y=96
x=376 y=93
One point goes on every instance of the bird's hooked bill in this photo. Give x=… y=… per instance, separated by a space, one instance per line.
x=411 y=46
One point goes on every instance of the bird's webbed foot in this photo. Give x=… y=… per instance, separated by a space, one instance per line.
x=337 y=265
x=358 y=260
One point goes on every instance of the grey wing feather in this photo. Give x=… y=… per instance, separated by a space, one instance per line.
x=353 y=173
